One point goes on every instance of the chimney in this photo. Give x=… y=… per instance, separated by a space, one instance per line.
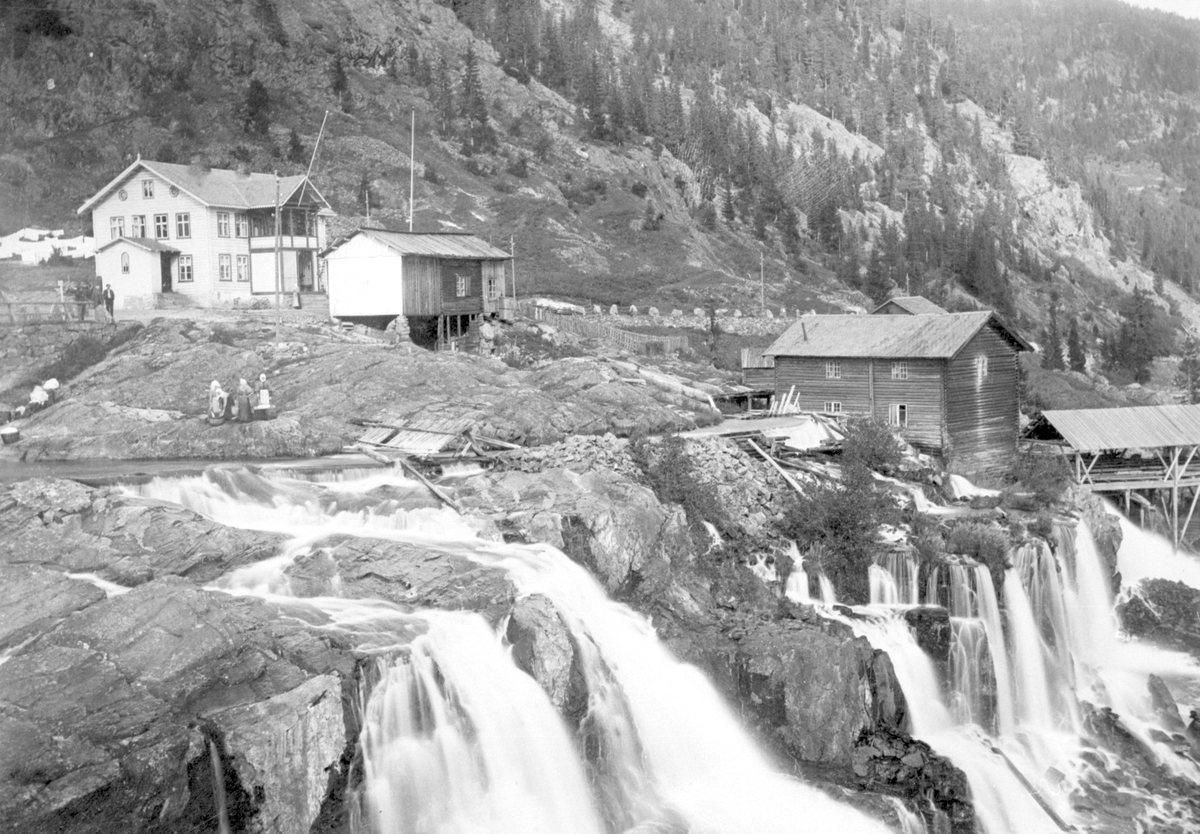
x=804 y=330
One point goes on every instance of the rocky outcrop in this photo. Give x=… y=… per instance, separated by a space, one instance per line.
x=105 y=713
x=1165 y=611
x=147 y=399
x=72 y=528
x=542 y=646
x=890 y=761
x=400 y=572
x=930 y=626
x=614 y=527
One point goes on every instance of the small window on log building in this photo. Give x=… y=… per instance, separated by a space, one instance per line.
x=899 y=370
x=981 y=369
x=833 y=370
x=833 y=407
x=898 y=414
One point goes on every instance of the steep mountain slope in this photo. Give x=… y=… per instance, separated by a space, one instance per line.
x=1023 y=155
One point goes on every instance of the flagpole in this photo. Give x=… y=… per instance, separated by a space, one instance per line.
x=412 y=164
x=278 y=263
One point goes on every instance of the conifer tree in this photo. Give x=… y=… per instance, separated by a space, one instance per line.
x=256 y=109
x=1188 y=375
x=1076 y=356
x=479 y=136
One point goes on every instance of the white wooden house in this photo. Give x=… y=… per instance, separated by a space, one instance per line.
x=205 y=233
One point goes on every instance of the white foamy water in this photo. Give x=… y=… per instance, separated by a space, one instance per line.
x=457 y=740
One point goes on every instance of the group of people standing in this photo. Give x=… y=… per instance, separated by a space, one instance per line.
x=242 y=404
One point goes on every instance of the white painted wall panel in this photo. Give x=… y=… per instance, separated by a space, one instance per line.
x=364 y=280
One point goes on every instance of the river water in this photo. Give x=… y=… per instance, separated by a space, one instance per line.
x=458 y=740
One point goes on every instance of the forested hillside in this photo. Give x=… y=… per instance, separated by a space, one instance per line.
x=1036 y=157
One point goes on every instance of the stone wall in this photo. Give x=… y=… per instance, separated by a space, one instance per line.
x=43 y=340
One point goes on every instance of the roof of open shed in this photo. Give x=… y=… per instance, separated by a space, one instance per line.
x=1136 y=427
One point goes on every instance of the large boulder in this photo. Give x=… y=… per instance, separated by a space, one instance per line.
x=1165 y=611
x=543 y=647
x=611 y=525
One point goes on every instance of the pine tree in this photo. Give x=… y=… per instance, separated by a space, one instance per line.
x=479 y=136
x=256 y=109
x=1054 y=342
x=1188 y=375
x=296 y=151
x=1077 y=357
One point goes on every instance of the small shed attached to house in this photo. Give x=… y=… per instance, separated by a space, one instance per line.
x=947 y=383
x=138 y=268
x=377 y=273
x=908 y=305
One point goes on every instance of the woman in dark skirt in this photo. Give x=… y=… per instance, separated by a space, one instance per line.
x=244 y=392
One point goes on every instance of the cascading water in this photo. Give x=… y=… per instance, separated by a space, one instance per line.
x=457 y=740
x=1055 y=646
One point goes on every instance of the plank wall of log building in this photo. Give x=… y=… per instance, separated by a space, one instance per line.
x=452 y=271
x=422 y=286
x=983 y=413
x=866 y=387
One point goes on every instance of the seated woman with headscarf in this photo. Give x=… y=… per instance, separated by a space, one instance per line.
x=217 y=401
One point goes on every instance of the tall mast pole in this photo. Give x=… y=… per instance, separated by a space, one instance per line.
x=278 y=262
x=762 y=284
x=412 y=164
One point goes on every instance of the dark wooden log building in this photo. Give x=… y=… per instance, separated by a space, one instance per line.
x=947 y=382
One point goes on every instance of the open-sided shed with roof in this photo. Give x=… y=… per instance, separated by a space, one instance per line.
x=1149 y=449
x=947 y=383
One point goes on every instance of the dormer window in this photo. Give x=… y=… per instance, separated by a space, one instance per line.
x=147 y=189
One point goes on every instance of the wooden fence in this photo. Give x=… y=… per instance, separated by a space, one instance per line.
x=590 y=328
x=17 y=313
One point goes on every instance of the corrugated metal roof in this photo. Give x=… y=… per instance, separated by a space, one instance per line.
x=915 y=304
x=149 y=244
x=433 y=244
x=217 y=186
x=884 y=337
x=1136 y=427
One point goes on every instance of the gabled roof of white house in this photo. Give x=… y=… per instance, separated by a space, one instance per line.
x=916 y=305
x=218 y=187
x=431 y=244
x=149 y=244
x=888 y=337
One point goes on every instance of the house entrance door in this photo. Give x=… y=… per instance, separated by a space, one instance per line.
x=165 y=259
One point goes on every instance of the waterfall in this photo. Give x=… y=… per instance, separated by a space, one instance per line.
x=1055 y=646
x=457 y=740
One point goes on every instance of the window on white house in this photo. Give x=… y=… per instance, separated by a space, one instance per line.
x=222 y=224
x=981 y=369
x=224 y=268
x=832 y=407
x=138 y=223
x=241 y=226
x=162 y=228
x=461 y=285
x=124 y=263
x=833 y=370
x=116 y=227
x=185 y=269
x=899 y=370
x=183 y=224
x=147 y=188
x=897 y=414
x=243 y=267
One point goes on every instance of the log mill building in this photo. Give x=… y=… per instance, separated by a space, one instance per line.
x=947 y=382
x=205 y=234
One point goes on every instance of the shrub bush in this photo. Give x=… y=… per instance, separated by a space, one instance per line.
x=844 y=517
x=669 y=471
x=639 y=189
x=430 y=174
x=1045 y=475
x=984 y=543
x=519 y=167
x=222 y=335
x=871 y=444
